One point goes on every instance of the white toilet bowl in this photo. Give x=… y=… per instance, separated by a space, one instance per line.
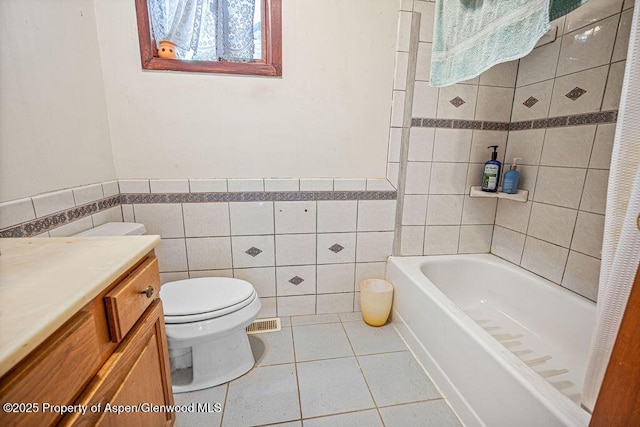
x=205 y=321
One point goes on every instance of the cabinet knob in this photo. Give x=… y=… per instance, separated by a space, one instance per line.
x=148 y=292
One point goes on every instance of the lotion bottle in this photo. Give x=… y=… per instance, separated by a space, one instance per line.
x=511 y=178
x=491 y=172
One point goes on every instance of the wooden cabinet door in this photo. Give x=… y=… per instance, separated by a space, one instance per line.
x=134 y=379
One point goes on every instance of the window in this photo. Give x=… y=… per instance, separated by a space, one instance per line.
x=213 y=52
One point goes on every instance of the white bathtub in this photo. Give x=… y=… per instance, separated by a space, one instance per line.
x=474 y=321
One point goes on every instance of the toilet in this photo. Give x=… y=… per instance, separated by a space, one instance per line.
x=205 y=321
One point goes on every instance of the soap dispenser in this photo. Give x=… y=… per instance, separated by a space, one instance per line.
x=511 y=178
x=491 y=172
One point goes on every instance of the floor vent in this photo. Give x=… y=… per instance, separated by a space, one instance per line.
x=264 y=325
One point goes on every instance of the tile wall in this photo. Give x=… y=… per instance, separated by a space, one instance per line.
x=555 y=108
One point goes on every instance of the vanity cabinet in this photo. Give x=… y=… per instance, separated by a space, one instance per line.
x=108 y=363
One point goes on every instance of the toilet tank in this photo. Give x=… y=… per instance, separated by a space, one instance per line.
x=114 y=229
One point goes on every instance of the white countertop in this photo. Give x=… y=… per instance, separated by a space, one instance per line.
x=45 y=281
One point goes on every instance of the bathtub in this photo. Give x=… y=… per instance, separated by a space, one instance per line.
x=504 y=346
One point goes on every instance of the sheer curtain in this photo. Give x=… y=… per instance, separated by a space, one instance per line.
x=621 y=243
x=206 y=30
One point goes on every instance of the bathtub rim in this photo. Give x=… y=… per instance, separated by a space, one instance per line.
x=560 y=405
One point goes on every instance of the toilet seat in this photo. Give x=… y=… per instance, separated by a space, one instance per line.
x=193 y=300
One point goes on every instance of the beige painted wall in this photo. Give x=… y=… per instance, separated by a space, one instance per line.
x=327 y=116
x=54 y=130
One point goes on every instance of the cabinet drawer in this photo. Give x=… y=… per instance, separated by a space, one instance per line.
x=129 y=299
x=54 y=373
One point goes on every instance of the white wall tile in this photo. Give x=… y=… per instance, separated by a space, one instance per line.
x=425 y=100
x=397 y=108
x=263 y=280
x=542 y=92
x=594 y=196
x=395 y=143
x=494 y=103
x=335 y=303
x=369 y=270
x=194 y=274
x=402 y=65
x=113 y=214
x=237 y=185
x=376 y=215
x=513 y=215
x=528 y=178
x=209 y=253
x=483 y=139
x=582 y=275
x=110 y=188
x=603 y=146
x=503 y=75
x=552 y=224
x=250 y=218
x=568 y=146
x=172 y=255
x=507 y=244
x=328 y=256
x=305 y=272
x=206 y=219
x=418 y=178
x=414 y=210
x=412 y=240
x=540 y=64
x=393 y=170
x=336 y=216
x=281 y=184
x=164 y=219
x=593 y=81
x=56 y=201
x=169 y=185
x=296 y=305
x=173 y=276
x=444 y=209
x=295 y=249
x=295 y=217
x=72 y=228
x=87 y=194
x=268 y=309
x=527 y=145
x=466 y=111
x=427 y=13
x=559 y=186
x=208 y=185
x=373 y=246
x=622 y=38
x=423 y=61
x=475 y=239
x=448 y=178
x=544 y=259
x=379 y=184
x=127 y=214
x=316 y=184
x=479 y=210
x=16 y=212
x=613 y=90
x=140 y=186
x=628 y=4
x=421 y=142
x=588 y=47
x=241 y=244
x=404 y=31
x=354 y=184
x=588 y=235
x=334 y=278
x=441 y=240
x=452 y=145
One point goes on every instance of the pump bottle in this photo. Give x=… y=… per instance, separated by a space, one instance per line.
x=491 y=172
x=511 y=178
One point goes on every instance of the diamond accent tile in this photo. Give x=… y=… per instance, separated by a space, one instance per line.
x=295 y=280
x=530 y=102
x=575 y=93
x=253 y=251
x=457 y=101
x=336 y=248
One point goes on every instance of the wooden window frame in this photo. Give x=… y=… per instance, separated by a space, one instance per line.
x=269 y=65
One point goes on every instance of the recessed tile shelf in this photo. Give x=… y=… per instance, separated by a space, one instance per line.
x=520 y=196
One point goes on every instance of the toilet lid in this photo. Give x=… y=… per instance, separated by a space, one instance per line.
x=203 y=295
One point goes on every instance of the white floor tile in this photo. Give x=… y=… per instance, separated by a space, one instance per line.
x=325 y=341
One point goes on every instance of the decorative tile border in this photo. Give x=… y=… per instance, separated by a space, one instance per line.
x=549 y=122
x=58 y=219
x=257 y=196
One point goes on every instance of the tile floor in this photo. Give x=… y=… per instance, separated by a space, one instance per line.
x=325 y=370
